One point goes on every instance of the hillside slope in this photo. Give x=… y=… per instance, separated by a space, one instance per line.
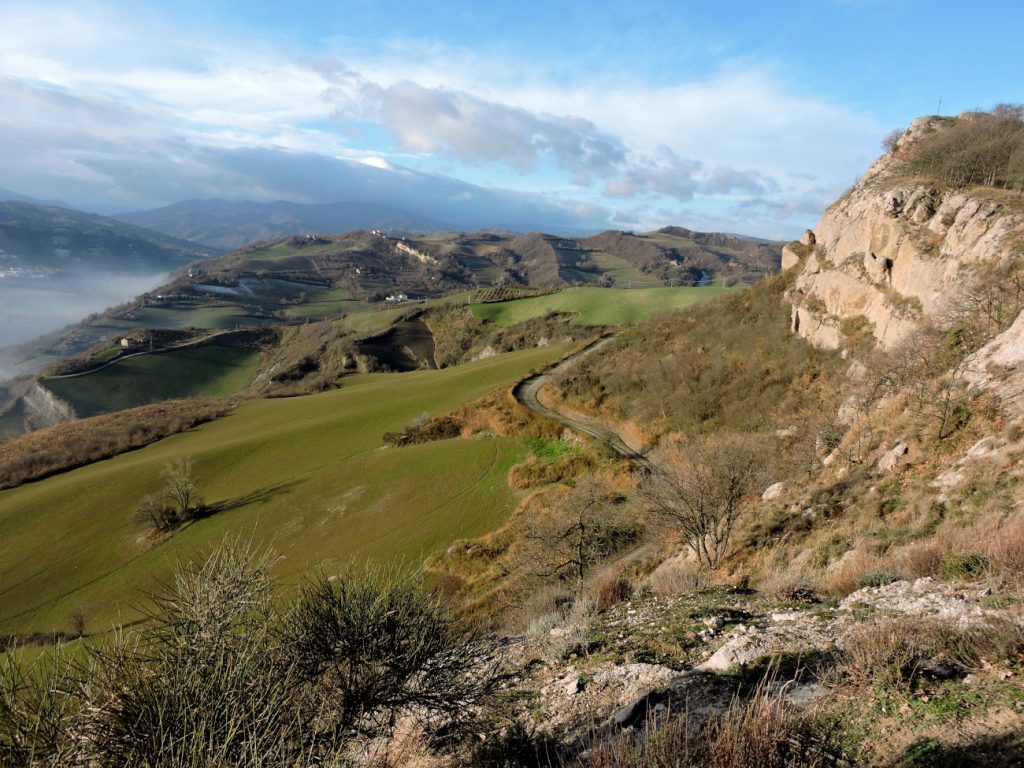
x=308 y=474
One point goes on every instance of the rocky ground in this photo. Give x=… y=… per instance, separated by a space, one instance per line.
x=602 y=673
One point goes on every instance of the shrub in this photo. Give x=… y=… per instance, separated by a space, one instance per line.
x=35 y=708
x=178 y=502
x=876 y=579
x=203 y=683
x=441 y=428
x=369 y=646
x=216 y=676
x=612 y=591
x=983 y=148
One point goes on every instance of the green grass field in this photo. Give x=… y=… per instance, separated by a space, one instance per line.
x=306 y=475
x=595 y=306
x=198 y=371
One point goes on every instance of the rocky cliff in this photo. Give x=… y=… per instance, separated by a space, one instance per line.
x=890 y=252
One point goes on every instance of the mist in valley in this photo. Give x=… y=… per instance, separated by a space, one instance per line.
x=31 y=306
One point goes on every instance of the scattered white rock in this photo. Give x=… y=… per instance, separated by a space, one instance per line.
x=773 y=491
x=892 y=458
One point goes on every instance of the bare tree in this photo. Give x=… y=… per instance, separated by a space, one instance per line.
x=701 y=488
x=153 y=510
x=182 y=490
x=568 y=541
x=892 y=139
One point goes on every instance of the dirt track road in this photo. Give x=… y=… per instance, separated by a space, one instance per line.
x=528 y=393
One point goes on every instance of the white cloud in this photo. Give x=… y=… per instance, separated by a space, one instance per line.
x=94 y=100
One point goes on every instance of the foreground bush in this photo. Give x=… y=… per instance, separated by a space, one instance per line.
x=218 y=676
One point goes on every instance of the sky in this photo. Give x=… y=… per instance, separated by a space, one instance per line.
x=746 y=117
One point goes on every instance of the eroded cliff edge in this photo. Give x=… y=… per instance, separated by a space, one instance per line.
x=888 y=255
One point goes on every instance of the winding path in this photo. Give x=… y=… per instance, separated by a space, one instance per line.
x=528 y=393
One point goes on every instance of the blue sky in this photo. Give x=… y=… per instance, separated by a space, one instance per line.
x=739 y=116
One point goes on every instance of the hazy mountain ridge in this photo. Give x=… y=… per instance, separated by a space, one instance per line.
x=235 y=224
x=52 y=237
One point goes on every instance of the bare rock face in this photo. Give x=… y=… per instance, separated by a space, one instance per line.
x=888 y=254
x=999 y=365
x=893 y=457
x=45 y=408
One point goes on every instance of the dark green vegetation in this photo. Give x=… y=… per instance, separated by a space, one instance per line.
x=306 y=473
x=65 y=239
x=204 y=371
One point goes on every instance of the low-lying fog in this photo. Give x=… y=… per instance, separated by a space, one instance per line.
x=32 y=305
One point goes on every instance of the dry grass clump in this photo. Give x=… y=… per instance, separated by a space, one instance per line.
x=1004 y=549
x=761 y=733
x=565 y=630
x=860 y=568
x=888 y=652
x=788 y=585
x=611 y=590
x=987 y=550
x=892 y=652
x=674 y=577
x=535 y=471
x=499 y=413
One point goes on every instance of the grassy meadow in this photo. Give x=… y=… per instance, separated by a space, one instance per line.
x=595 y=306
x=206 y=371
x=307 y=475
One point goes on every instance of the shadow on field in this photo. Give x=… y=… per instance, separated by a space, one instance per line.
x=258 y=496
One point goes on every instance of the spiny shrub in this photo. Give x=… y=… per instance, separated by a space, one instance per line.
x=370 y=645
x=218 y=677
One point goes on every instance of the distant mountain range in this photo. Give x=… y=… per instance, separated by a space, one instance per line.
x=232 y=225
x=51 y=237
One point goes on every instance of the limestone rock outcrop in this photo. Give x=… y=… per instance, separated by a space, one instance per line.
x=889 y=253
